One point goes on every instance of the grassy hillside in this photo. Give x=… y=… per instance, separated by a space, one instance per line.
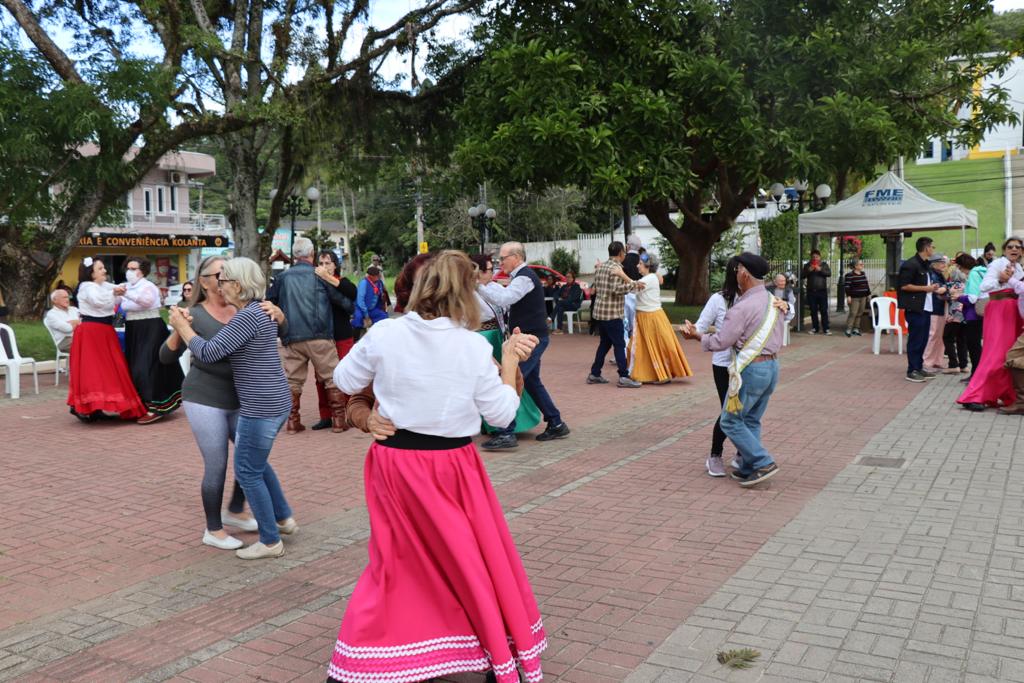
x=975 y=183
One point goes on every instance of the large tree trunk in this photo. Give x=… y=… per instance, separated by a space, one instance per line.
x=692 y=243
x=243 y=194
x=31 y=257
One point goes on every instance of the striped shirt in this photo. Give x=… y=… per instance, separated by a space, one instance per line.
x=857 y=284
x=249 y=341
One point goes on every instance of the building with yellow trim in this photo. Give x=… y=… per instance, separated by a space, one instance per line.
x=163 y=222
x=1005 y=136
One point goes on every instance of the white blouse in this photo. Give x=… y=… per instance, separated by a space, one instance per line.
x=990 y=283
x=714 y=315
x=429 y=376
x=143 y=295
x=649 y=300
x=96 y=300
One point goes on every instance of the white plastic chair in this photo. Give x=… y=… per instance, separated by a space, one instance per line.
x=12 y=363
x=885 y=318
x=570 y=316
x=60 y=354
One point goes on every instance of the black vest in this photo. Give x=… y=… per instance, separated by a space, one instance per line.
x=530 y=314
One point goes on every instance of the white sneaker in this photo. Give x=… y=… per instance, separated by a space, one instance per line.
x=229 y=543
x=288 y=526
x=243 y=523
x=258 y=551
x=735 y=464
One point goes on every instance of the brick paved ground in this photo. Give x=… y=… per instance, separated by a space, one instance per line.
x=626 y=540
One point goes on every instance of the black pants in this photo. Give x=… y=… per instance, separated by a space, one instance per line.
x=954 y=338
x=972 y=338
x=817 y=300
x=918 y=325
x=722 y=384
x=612 y=337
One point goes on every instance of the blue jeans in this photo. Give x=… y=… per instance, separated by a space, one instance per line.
x=253 y=441
x=612 y=337
x=744 y=428
x=533 y=386
x=918 y=325
x=630 y=316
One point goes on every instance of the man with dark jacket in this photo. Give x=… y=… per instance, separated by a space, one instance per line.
x=307 y=302
x=916 y=294
x=524 y=299
x=817 y=272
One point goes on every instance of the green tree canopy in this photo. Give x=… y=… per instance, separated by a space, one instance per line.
x=691 y=105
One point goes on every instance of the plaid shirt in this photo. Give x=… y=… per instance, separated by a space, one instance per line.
x=610 y=290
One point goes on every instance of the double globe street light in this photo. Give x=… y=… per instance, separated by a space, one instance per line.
x=294 y=205
x=482 y=216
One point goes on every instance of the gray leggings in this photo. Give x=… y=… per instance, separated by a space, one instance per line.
x=213 y=428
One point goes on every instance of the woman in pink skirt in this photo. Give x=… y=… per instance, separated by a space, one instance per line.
x=445 y=590
x=991 y=383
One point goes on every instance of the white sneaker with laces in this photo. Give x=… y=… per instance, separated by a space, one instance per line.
x=258 y=551
x=715 y=466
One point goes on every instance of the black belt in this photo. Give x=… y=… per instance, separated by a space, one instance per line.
x=414 y=441
x=105 y=320
x=1002 y=294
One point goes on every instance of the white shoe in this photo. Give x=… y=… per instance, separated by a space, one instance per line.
x=735 y=464
x=258 y=551
x=288 y=526
x=245 y=524
x=229 y=543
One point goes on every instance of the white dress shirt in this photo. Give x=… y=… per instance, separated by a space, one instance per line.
x=56 y=321
x=990 y=283
x=96 y=300
x=429 y=376
x=142 y=295
x=503 y=297
x=714 y=315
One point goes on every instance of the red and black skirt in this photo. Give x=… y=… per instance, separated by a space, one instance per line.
x=100 y=381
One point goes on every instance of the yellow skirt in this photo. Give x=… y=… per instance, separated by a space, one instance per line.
x=654 y=351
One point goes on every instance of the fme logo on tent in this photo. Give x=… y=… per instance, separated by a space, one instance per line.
x=883 y=196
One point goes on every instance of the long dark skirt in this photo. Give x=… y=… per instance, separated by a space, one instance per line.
x=159 y=385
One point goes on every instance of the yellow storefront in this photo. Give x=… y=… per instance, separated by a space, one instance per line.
x=173 y=257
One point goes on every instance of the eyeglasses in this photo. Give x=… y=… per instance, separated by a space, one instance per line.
x=221 y=282
x=217 y=274
x=1014 y=246
x=502 y=258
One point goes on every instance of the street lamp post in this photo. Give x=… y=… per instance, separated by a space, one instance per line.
x=294 y=205
x=803 y=202
x=482 y=217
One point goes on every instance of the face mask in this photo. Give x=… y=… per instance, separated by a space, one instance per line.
x=132 y=276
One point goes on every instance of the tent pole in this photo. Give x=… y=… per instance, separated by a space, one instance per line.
x=799 y=281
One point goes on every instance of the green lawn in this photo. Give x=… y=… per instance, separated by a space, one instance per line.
x=975 y=183
x=33 y=340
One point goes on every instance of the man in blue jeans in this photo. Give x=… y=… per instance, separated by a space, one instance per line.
x=753 y=329
x=915 y=293
x=527 y=313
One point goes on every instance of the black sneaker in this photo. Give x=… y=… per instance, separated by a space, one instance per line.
x=848 y=333
x=596 y=379
x=975 y=407
x=928 y=375
x=856 y=332
x=559 y=431
x=502 y=442
x=760 y=476
x=736 y=476
x=322 y=424
x=915 y=376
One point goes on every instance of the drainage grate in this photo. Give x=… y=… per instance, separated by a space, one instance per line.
x=877 y=461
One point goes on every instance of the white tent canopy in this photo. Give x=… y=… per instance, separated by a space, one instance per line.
x=889 y=204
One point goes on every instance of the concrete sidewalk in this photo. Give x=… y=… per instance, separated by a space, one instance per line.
x=907 y=567
x=643 y=565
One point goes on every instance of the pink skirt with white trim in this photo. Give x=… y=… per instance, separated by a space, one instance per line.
x=991 y=382
x=445 y=590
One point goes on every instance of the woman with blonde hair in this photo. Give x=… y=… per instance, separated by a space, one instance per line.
x=655 y=355
x=211 y=404
x=445 y=590
x=249 y=341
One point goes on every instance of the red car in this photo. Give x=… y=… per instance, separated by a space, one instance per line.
x=543 y=272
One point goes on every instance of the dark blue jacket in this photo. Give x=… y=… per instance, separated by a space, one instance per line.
x=307 y=302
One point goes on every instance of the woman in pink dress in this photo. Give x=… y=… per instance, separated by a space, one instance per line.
x=445 y=590
x=991 y=383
